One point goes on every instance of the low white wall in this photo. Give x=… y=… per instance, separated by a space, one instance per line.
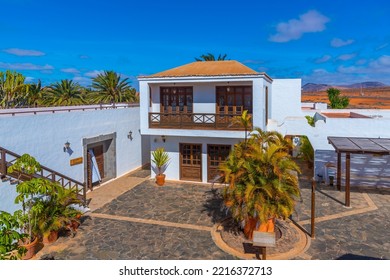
x=43 y=136
x=366 y=170
x=171 y=145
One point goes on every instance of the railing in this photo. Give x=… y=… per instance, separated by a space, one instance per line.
x=195 y=121
x=62 y=109
x=7 y=158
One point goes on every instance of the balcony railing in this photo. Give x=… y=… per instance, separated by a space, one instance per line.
x=194 y=121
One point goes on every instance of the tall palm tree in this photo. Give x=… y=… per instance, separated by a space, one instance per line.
x=210 y=57
x=12 y=88
x=110 y=87
x=35 y=94
x=64 y=93
x=262 y=180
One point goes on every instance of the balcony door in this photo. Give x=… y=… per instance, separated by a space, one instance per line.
x=191 y=162
x=176 y=100
x=233 y=100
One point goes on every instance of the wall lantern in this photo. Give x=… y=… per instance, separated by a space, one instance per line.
x=164 y=138
x=130 y=135
x=66 y=146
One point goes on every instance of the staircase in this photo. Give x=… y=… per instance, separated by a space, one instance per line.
x=7 y=158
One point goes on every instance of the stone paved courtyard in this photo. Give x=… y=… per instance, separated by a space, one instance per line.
x=175 y=222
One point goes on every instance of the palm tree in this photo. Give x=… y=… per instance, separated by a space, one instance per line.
x=262 y=180
x=245 y=120
x=110 y=87
x=210 y=57
x=12 y=88
x=65 y=93
x=35 y=94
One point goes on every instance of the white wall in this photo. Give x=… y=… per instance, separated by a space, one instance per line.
x=171 y=145
x=286 y=99
x=43 y=136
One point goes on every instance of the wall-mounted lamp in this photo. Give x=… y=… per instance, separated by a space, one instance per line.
x=66 y=146
x=228 y=88
x=130 y=135
x=164 y=138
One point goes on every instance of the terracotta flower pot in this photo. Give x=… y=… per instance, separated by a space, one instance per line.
x=31 y=249
x=52 y=237
x=160 y=179
x=269 y=226
x=250 y=226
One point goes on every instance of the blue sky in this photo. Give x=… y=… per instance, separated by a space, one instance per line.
x=338 y=42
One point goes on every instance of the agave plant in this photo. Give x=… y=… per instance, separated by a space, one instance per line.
x=160 y=158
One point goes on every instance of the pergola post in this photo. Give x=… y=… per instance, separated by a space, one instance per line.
x=347 y=179
x=339 y=171
x=313 y=208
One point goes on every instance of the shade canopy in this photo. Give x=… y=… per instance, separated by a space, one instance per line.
x=360 y=145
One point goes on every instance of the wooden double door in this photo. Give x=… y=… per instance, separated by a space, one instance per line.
x=191 y=161
x=216 y=154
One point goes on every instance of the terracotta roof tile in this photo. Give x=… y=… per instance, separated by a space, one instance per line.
x=207 y=68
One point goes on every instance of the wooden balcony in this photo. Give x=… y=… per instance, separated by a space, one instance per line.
x=194 y=121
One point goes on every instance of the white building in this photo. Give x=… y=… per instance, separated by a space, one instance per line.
x=188 y=111
x=104 y=143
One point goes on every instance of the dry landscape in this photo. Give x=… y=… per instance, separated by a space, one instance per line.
x=365 y=98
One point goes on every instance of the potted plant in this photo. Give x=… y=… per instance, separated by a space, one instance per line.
x=9 y=237
x=58 y=211
x=160 y=158
x=27 y=195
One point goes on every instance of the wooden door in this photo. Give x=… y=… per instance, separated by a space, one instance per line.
x=99 y=156
x=216 y=154
x=191 y=162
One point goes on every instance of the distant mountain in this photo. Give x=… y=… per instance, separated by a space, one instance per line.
x=366 y=85
x=315 y=87
x=322 y=87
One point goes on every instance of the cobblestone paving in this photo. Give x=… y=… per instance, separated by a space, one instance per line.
x=343 y=233
x=175 y=202
x=106 y=239
x=361 y=236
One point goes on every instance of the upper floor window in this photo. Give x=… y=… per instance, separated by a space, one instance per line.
x=234 y=99
x=176 y=99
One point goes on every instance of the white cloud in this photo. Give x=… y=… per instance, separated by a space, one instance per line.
x=82 y=80
x=70 y=70
x=380 y=65
x=323 y=59
x=25 y=66
x=347 y=56
x=22 y=52
x=310 y=22
x=376 y=70
x=385 y=45
x=337 y=43
x=94 y=73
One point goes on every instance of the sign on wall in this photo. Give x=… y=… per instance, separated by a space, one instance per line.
x=76 y=161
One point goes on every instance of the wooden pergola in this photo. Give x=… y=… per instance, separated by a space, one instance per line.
x=355 y=145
